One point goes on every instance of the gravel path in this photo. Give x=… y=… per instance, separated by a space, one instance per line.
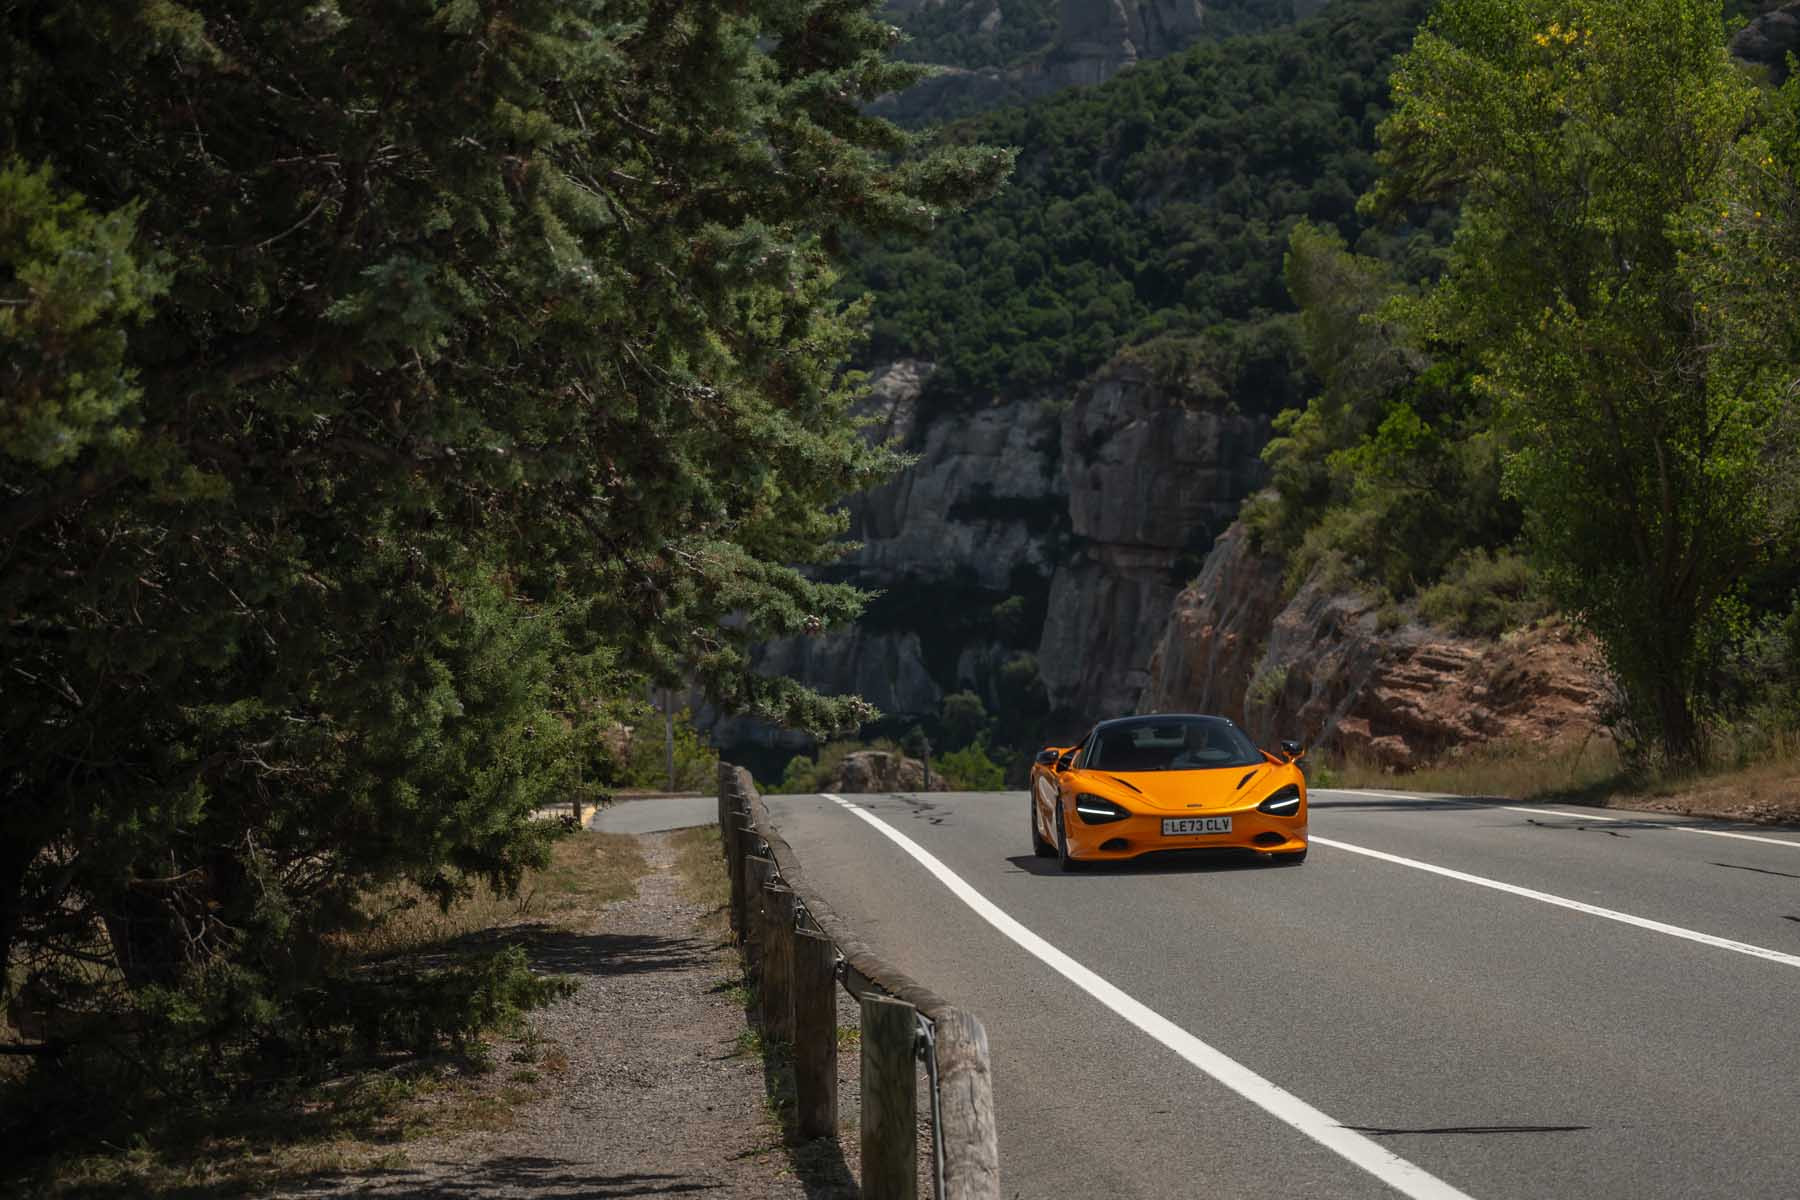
x=642 y=1087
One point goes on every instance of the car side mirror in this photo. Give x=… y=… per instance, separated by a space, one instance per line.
x=1068 y=759
x=1293 y=750
x=1046 y=758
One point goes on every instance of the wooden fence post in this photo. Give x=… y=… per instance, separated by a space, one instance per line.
x=966 y=1108
x=779 y=906
x=743 y=838
x=735 y=849
x=890 y=1100
x=726 y=826
x=758 y=873
x=815 y=1034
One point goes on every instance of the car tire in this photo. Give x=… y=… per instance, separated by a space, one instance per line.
x=1066 y=861
x=1292 y=858
x=1039 y=846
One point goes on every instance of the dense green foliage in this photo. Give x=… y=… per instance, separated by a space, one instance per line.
x=1390 y=475
x=951 y=34
x=389 y=388
x=1615 y=279
x=1157 y=203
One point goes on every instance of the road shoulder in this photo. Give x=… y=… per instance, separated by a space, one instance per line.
x=641 y=1082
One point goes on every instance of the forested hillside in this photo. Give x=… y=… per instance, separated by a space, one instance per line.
x=1224 y=219
x=1158 y=203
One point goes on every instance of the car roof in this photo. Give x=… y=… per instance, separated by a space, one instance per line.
x=1140 y=717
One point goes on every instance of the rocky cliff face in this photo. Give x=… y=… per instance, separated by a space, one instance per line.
x=967 y=507
x=1056 y=527
x=1769 y=37
x=1152 y=478
x=1319 y=666
x=1095 y=40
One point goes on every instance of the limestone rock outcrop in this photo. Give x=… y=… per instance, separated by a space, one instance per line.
x=866 y=771
x=1319 y=666
x=1769 y=37
x=966 y=507
x=1083 y=514
x=1095 y=40
x=1153 y=476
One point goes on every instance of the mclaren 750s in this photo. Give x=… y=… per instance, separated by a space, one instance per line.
x=1177 y=781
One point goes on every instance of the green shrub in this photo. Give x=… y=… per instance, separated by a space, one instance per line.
x=646 y=756
x=1484 y=595
x=970 y=769
x=805 y=776
x=1266 y=686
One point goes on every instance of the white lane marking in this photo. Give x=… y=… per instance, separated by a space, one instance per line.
x=1724 y=833
x=1396 y=795
x=1477 y=800
x=1611 y=914
x=1390 y=1168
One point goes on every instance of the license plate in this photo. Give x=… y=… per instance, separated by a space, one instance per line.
x=1177 y=826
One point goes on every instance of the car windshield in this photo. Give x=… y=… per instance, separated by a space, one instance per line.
x=1170 y=744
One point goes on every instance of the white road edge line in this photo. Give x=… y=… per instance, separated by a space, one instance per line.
x=1390 y=1168
x=1611 y=914
x=1724 y=833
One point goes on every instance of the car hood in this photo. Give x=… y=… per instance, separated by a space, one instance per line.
x=1184 y=791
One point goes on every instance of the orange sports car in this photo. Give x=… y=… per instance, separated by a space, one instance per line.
x=1170 y=781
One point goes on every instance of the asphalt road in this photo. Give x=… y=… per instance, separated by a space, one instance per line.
x=1579 y=1008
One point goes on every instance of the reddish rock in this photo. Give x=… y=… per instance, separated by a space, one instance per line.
x=1317 y=667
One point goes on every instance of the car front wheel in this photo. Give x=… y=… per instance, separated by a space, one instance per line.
x=1068 y=862
x=1039 y=846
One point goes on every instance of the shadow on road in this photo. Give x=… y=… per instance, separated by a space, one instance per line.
x=1156 y=862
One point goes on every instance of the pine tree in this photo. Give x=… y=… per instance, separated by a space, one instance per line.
x=387 y=385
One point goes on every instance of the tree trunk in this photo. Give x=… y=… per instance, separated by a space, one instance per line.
x=1679 y=730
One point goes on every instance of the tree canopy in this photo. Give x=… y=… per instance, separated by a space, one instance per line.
x=387 y=387
x=1601 y=279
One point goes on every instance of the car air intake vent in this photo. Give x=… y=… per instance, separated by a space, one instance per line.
x=1269 y=839
x=1114 y=844
x=1248 y=775
x=1127 y=783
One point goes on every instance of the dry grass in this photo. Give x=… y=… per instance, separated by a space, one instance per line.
x=587 y=871
x=1528 y=771
x=1767 y=790
x=364 y=1118
x=701 y=863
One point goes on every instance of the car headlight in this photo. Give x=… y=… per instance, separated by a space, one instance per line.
x=1098 y=810
x=1282 y=802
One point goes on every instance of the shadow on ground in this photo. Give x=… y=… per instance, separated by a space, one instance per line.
x=528 y=1175
x=818 y=1163
x=558 y=950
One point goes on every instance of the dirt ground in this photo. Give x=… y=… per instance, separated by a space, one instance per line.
x=646 y=1082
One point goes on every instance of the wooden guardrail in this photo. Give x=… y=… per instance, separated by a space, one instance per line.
x=798 y=953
